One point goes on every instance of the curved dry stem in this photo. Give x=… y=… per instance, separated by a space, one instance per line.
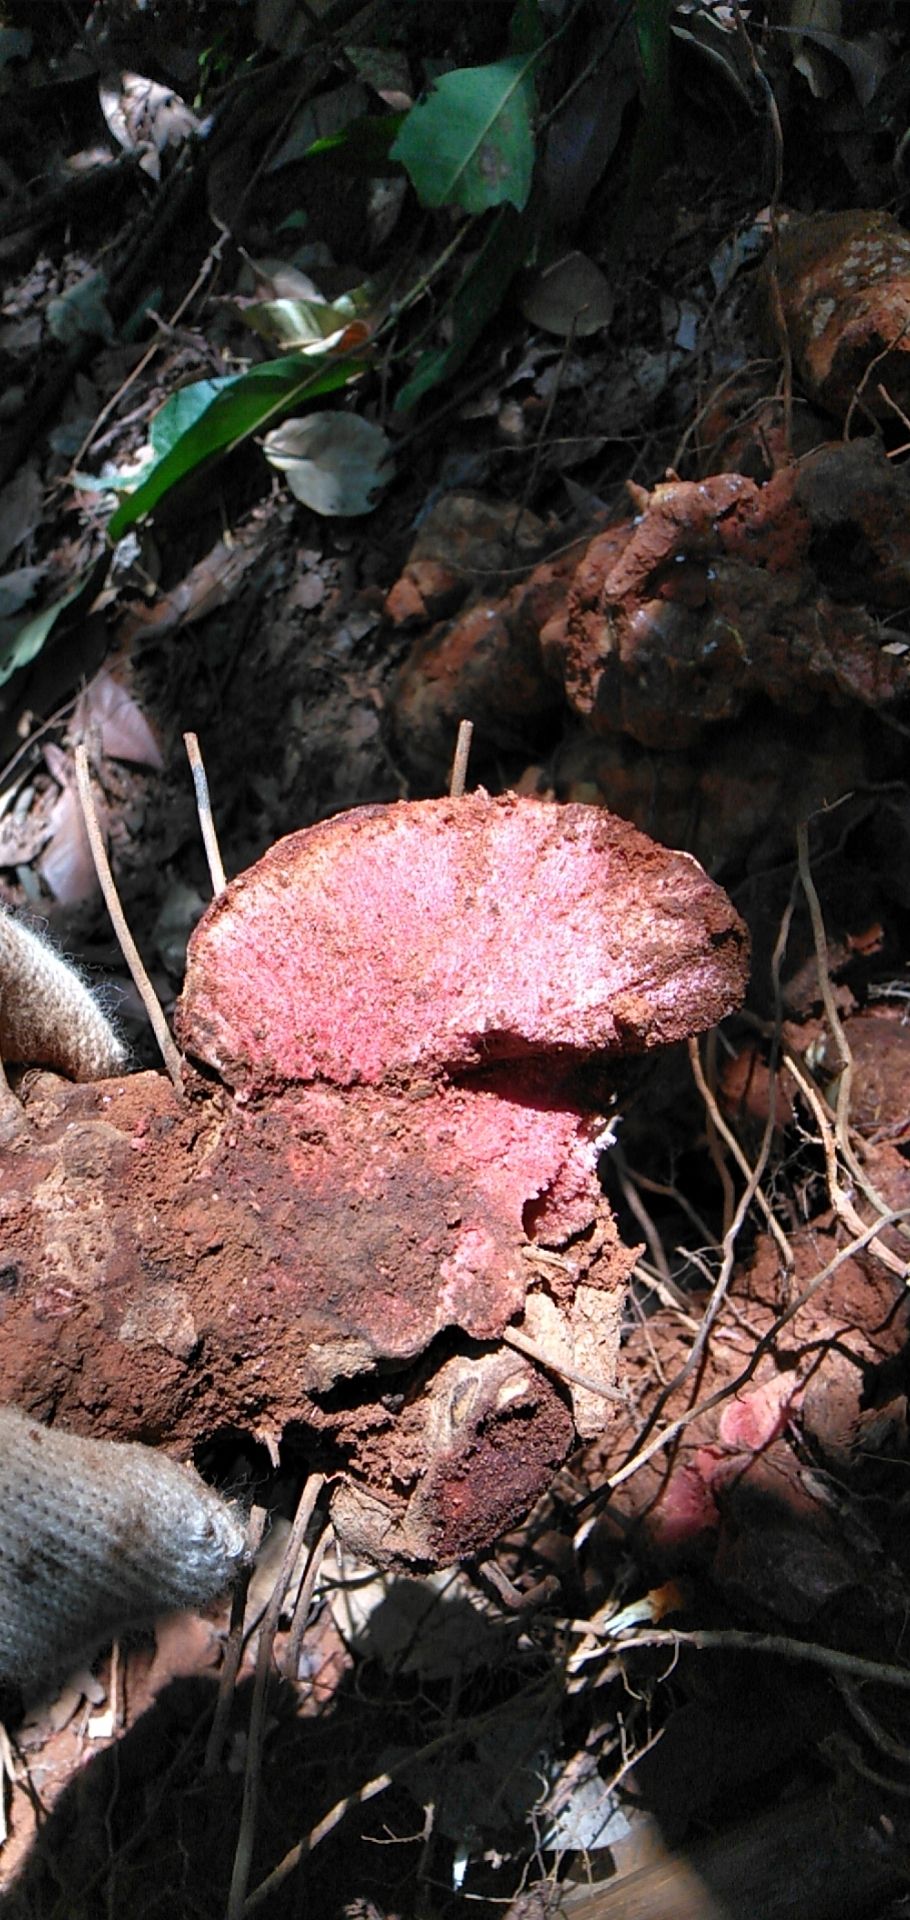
x=243 y=1853
x=731 y=1387
x=204 y=810
x=752 y=1175
x=169 y=1051
x=550 y=1364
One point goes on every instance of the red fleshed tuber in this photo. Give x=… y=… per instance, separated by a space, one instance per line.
x=405 y=1015
x=443 y=935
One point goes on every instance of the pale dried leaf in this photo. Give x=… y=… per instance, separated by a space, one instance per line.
x=278 y=280
x=142 y=114
x=571 y=296
x=209 y=585
x=18 y=588
x=107 y=708
x=66 y=865
x=22 y=835
x=334 y=461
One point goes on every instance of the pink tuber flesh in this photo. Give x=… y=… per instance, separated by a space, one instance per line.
x=440 y=935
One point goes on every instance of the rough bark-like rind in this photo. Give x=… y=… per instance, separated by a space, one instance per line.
x=434 y=936
x=842 y=281
x=171 y=1271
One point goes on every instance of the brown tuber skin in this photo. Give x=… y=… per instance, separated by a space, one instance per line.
x=404 y=1019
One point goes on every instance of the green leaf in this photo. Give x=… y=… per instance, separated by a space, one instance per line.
x=181 y=411
x=478 y=297
x=334 y=461
x=238 y=408
x=471 y=144
x=172 y=420
x=27 y=641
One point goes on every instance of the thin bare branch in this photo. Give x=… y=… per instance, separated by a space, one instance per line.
x=523 y=1344
x=464 y=1730
x=671 y=1432
x=852 y=1665
x=243 y=1853
x=233 y=1653
x=169 y=1051
x=204 y=810
x=460 y=762
x=752 y=1175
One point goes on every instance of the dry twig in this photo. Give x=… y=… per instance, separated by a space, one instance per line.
x=563 y=1371
x=839 y=1140
x=852 y=1665
x=460 y=762
x=128 y=947
x=243 y=1854
x=233 y=1653
x=464 y=1730
x=204 y=810
x=752 y=1175
x=732 y=1387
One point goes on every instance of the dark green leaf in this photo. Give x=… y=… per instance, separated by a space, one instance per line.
x=239 y=407
x=182 y=410
x=470 y=143
x=28 y=640
x=652 y=144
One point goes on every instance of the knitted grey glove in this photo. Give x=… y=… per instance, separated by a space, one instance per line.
x=47 y=1016
x=96 y=1537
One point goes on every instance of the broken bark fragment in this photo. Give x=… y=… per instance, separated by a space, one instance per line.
x=405 y=1016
